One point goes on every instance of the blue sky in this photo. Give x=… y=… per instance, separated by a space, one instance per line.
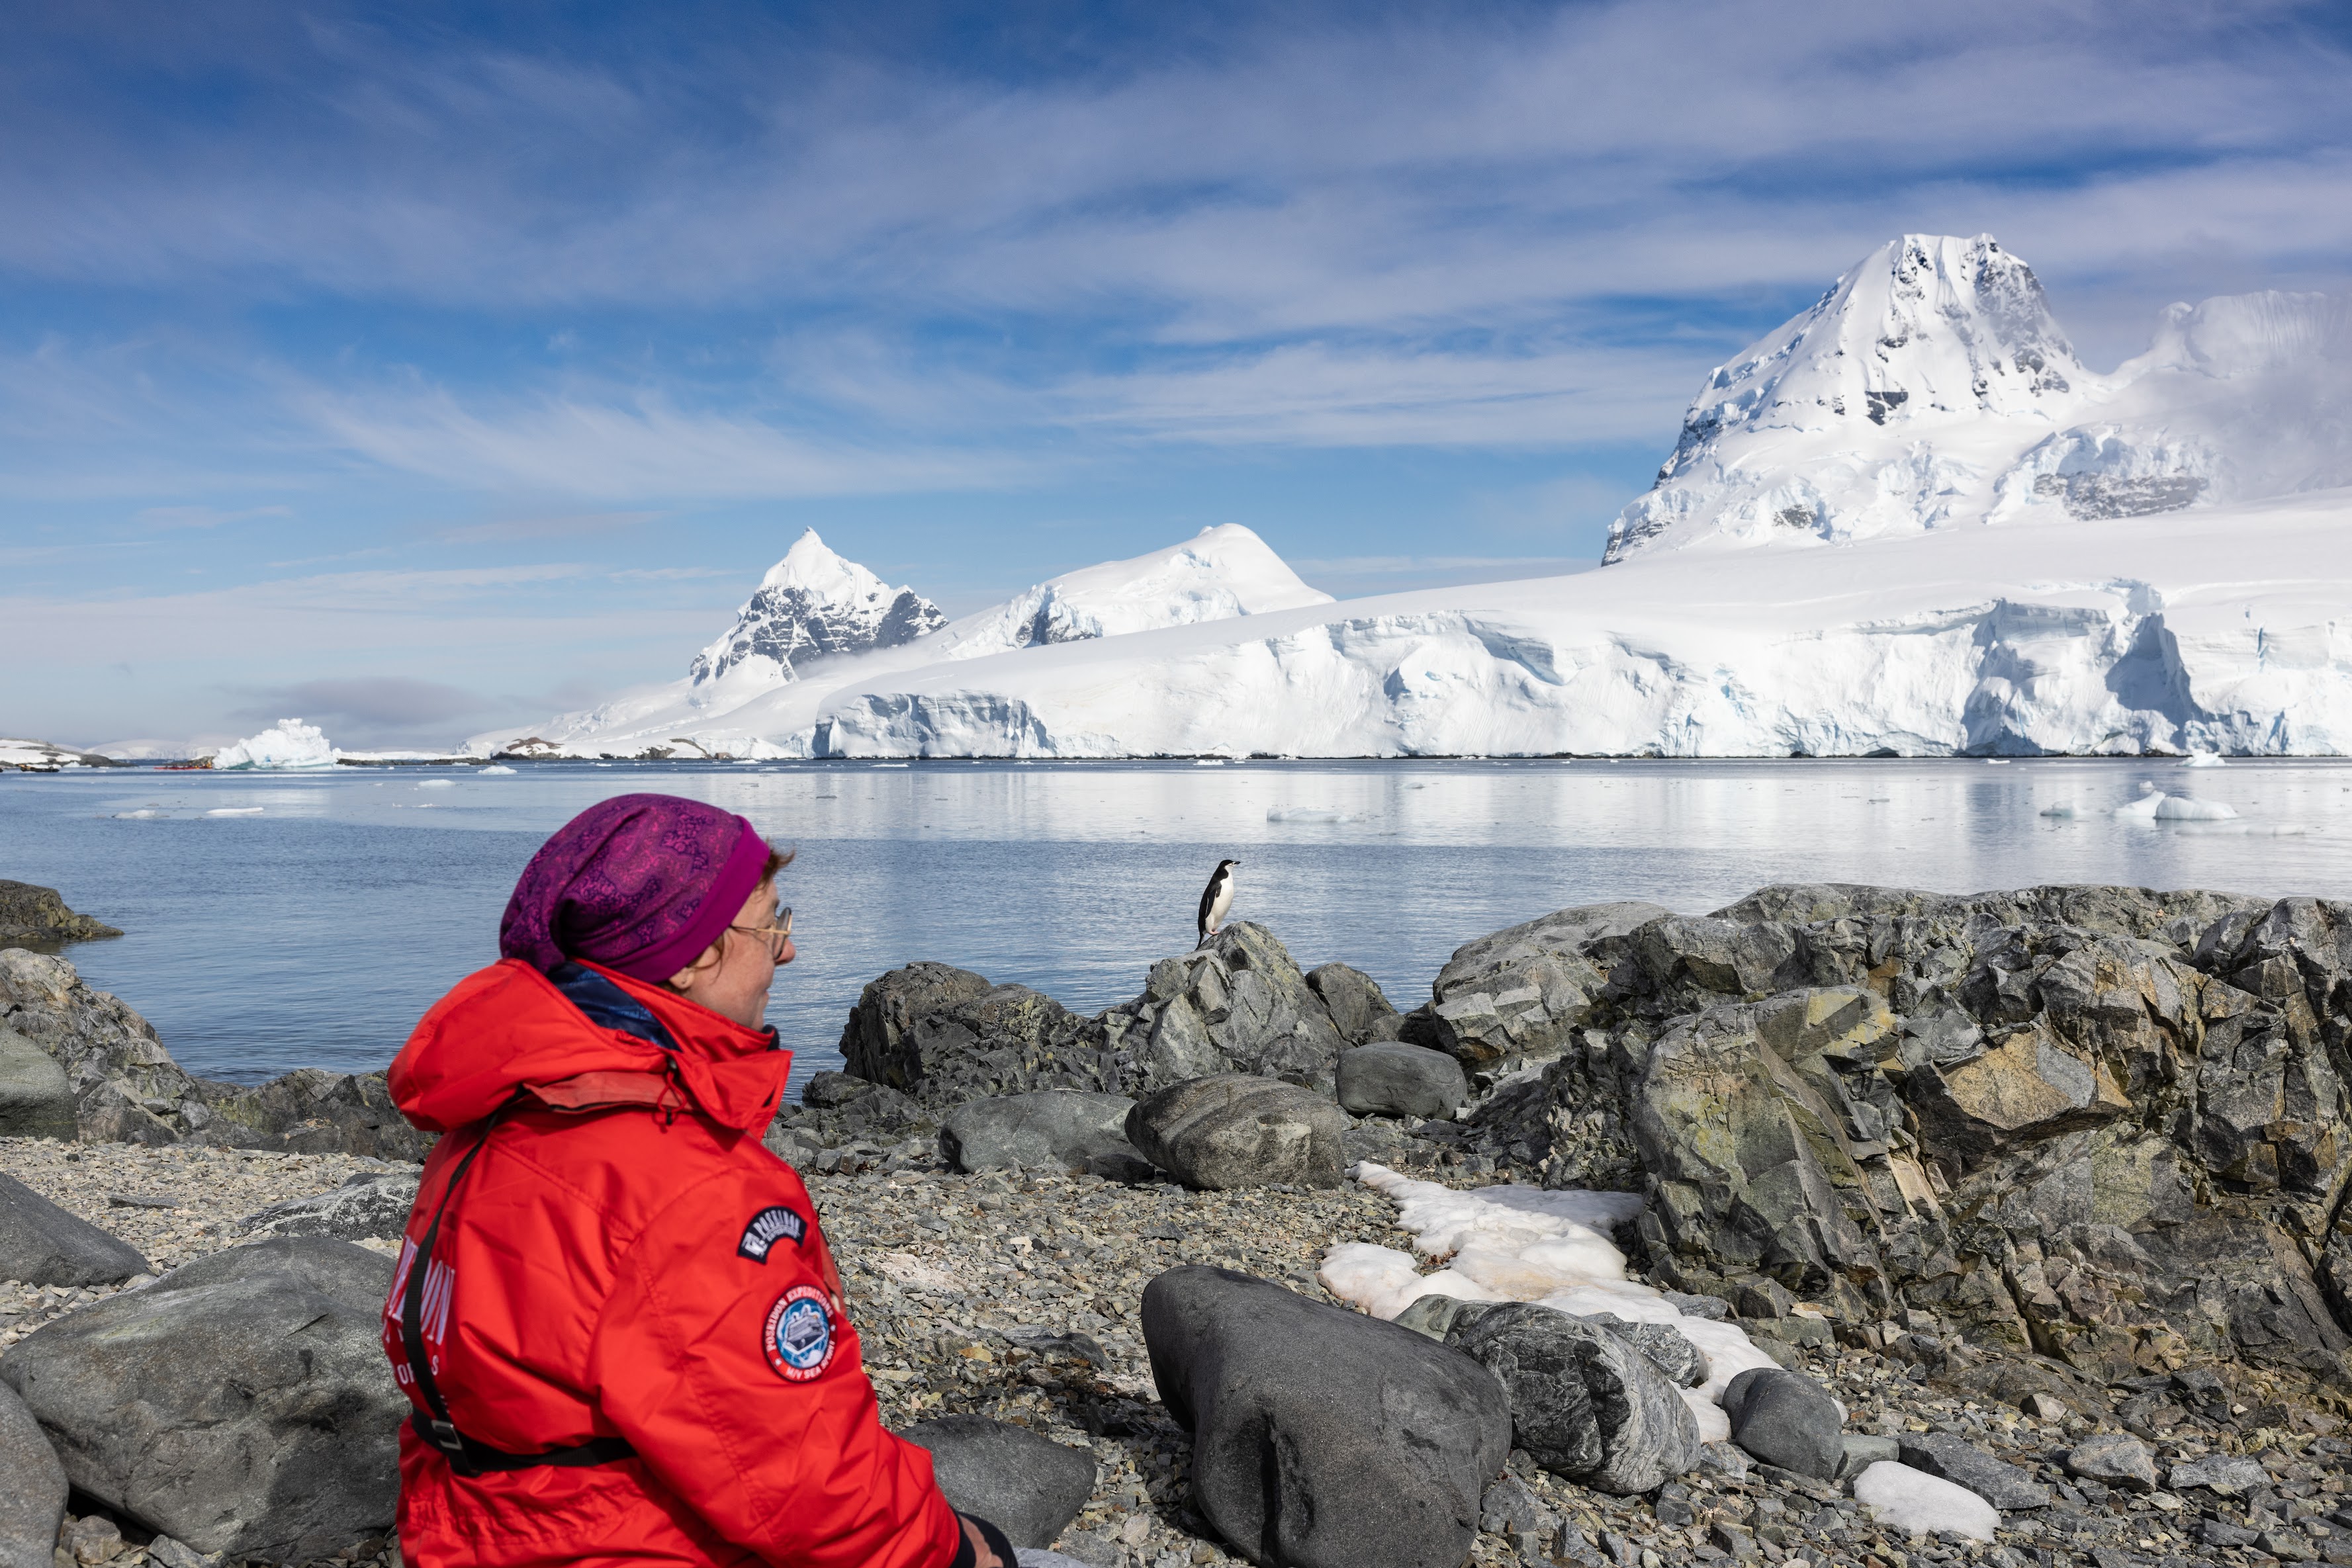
x=417 y=367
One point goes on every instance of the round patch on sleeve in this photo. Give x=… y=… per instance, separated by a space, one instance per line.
x=798 y=1340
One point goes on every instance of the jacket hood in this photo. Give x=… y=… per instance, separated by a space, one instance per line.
x=510 y=1028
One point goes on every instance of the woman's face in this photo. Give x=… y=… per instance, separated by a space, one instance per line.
x=732 y=976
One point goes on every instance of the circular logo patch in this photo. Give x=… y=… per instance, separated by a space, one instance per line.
x=799 y=1338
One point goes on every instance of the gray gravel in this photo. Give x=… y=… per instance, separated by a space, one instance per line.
x=1014 y=1296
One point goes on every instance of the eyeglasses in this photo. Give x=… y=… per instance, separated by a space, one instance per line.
x=777 y=935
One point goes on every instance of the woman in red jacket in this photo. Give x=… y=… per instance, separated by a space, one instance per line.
x=614 y=1310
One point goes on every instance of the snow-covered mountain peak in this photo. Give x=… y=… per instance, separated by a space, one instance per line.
x=813 y=603
x=1221 y=572
x=1930 y=387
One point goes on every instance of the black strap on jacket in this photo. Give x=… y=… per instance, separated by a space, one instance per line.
x=468 y=1456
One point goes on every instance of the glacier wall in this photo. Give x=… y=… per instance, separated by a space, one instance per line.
x=2003 y=642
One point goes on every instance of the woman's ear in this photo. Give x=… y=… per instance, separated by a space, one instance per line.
x=709 y=960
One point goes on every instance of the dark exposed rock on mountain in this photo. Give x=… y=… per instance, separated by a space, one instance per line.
x=815 y=604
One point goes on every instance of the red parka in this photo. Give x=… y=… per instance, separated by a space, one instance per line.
x=625 y=1260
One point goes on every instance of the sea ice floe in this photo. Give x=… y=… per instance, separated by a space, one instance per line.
x=494 y=767
x=2203 y=759
x=140 y=815
x=234 y=811
x=1915 y=1500
x=436 y=783
x=1517 y=1243
x=1310 y=814
x=2156 y=806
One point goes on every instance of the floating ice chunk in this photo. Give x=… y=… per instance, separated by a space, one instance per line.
x=140 y=815
x=1208 y=762
x=234 y=811
x=2203 y=759
x=1915 y=1500
x=493 y=767
x=436 y=783
x=2182 y=809
x=289 y=743
x=894 y=765
x=1308 y=814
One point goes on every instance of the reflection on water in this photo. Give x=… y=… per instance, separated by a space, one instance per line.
x=283 y=921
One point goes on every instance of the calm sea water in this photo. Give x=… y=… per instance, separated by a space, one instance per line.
x=314 y=930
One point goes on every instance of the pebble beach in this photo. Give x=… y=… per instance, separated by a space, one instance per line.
x=1015 y=1295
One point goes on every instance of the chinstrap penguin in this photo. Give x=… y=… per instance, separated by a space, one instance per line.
x=1216 y=899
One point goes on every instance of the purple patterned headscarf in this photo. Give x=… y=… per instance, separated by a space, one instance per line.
x=640 y=884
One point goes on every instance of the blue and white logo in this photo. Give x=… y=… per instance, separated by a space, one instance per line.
x=800 y=1334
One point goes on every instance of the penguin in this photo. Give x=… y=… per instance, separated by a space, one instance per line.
x=1215 y=899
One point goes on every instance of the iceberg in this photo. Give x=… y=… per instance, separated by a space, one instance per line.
x=289 y=743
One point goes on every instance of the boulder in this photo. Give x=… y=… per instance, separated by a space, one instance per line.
x=241 y=1404
x=1238 y=1005
x=127 y=1089
x=41 y=1244
x=1236 y=1131
x=1515 y=996
x=2115 y=1460
x=2228 y=1474
x=1063 y=1129
x=30 y=915
x=1863 y=1450
x=1786 y=1418
x=1359 y=1008
x=1963 y=1464
x=37 y=1099
x=1028 y=1486
x=1667 y=1347
x=944 y=1035
x=1584 y=1403
x=32 y=1500
x=372 y=1204
x=1393 y=1079
x=1321 y=1437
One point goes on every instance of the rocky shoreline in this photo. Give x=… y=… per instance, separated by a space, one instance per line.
x=2043 y=1189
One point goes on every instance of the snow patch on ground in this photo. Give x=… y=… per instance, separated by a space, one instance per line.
x=1915 y=1500
x=1518 y=1243
x=289 y=743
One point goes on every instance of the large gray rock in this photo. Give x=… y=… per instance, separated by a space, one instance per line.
x=41 y=1244
x=373 y=1204
x=1515 y=996
x=127 y=1089
x=1236 y=1131
x=1584 y=1404
x=1786 y=1418
x=38 y=915
x=1393 y=1079
x=1321 y=1437
x=1964 y=1464
x=1238 y=1005
x=1360 y=1010
x=1667 y=1347
x=241 y=1404
x=944 y=1035
x=37 y=1099
x=2115 y=1460
x=1028 y=1486
x=1063 y=1129
x=32 y=1487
